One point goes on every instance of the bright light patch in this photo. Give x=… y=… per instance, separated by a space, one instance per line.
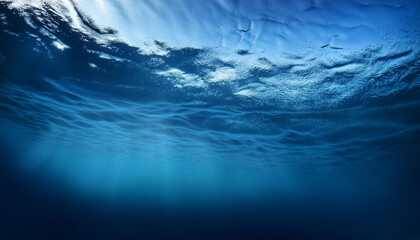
x=60 y=45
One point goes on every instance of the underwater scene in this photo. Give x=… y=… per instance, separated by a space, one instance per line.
x=210 y=119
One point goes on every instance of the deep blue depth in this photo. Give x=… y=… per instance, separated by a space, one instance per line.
x=101 y=141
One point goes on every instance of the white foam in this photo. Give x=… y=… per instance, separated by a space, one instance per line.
x=182 y=79
x=60 y=45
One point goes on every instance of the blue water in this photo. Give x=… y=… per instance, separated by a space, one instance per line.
x=209 y=120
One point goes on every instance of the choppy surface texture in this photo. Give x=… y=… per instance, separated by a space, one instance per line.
x=210 y=119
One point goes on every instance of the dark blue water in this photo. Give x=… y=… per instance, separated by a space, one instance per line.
x=103 y=139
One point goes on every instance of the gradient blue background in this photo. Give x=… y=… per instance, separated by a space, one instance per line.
x=209 y=119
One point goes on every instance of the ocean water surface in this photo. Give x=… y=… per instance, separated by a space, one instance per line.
x=267 y=119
